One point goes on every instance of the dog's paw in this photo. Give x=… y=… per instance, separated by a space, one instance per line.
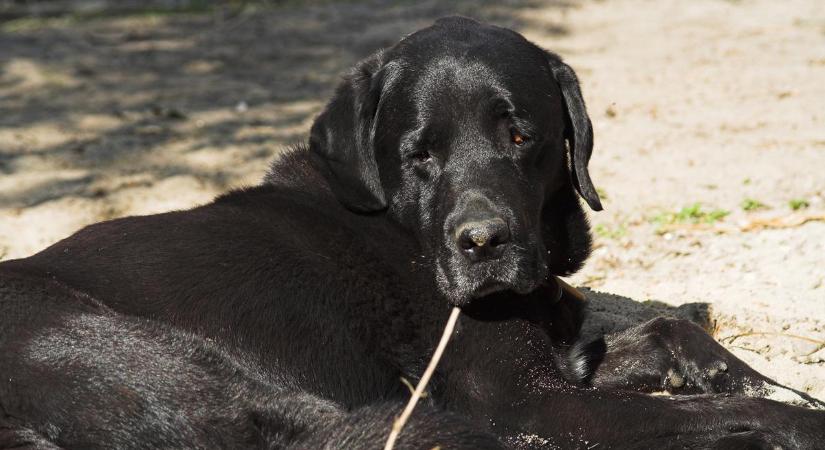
x=583 y=359
x=673 y=356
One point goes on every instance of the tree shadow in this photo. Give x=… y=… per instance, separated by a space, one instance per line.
x=127 y=92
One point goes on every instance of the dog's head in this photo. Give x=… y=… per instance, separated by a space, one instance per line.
x=473 y=139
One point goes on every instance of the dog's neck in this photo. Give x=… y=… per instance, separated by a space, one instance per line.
x=297 y=168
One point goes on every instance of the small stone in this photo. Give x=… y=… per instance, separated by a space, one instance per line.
x=675 y=379
x=610 y=111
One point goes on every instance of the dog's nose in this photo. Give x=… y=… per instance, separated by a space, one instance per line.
x=483 y=239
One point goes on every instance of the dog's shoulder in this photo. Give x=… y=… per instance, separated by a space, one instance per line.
x=290 y=227
x=288 y=205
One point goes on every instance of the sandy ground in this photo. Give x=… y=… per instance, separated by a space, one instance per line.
x=710 y=102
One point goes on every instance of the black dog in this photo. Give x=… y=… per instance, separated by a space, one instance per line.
x=443 y=172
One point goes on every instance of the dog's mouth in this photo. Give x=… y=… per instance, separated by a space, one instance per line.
x=462 y=283
x=490 y=287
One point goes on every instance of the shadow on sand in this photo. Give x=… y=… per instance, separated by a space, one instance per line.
x=129 y=90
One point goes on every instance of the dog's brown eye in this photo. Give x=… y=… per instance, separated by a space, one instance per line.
x=517 y=137
x=422 y=156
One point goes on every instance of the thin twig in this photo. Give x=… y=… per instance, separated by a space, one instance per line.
x=730 y=339
x=747 y=349
x=816 y=349
x=411 y=388
x=399 y=423
x=781 y=222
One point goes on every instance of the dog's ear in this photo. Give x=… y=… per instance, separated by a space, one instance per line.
x=578 y=130
x=343 y=136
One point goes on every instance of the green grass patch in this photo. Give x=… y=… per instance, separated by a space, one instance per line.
x=798 y=203
x=689 y=214
x=607 y=232
x=750 y=204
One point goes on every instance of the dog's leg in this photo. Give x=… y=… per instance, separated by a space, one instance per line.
x=369 y=426
x=497 y=372
x=581 y=418
x=675 y=356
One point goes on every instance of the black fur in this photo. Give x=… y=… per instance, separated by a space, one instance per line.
x=285 y=315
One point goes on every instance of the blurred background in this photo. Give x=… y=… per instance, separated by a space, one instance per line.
x=709 y=119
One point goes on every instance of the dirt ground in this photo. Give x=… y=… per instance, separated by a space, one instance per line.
x=710 y=102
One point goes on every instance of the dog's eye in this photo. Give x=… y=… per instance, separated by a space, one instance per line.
x=517 y=138
x=422 y=156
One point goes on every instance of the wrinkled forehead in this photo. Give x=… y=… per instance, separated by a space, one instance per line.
x=462 y=88
x=451 y=81
x=462 y=67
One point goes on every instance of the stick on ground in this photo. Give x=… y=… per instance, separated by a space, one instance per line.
x=398 y=425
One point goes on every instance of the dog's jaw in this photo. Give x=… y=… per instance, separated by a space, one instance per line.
x=463 y=285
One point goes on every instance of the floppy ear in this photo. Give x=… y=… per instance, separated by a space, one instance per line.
x=343 y=137
x=578 y=130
